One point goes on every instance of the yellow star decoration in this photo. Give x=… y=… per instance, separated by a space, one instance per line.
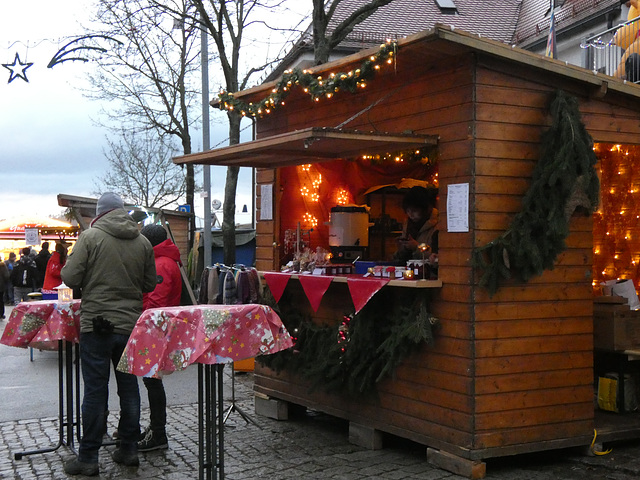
x=147 y=361
x=230 y=349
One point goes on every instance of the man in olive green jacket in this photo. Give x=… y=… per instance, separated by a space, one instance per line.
x=112 y=265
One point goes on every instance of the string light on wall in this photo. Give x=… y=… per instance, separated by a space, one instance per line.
x=316 y=86
x=408 y=156
x=616 y=231
x=342 y=197
x=309 y=219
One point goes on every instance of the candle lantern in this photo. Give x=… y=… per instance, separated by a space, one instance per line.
x=65 y=294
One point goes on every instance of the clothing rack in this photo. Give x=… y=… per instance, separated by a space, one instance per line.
x=211 y=293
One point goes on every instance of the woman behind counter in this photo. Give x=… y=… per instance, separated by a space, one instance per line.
x=420 y=227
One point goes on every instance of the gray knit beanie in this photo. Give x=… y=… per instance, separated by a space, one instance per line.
x=107 y=202
x=154 y=233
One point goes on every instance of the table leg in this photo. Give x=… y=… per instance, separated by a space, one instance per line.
x=65 y=386
x=220 y=420
x=210 y=422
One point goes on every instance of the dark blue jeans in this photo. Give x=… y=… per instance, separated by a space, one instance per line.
x=157 y=404
x=97 y=353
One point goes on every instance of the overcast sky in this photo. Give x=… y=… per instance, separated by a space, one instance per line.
x=48 y=141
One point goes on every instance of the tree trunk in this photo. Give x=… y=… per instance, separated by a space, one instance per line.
x=229 y=207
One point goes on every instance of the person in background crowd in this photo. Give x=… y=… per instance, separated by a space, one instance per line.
x=166 y=294
x=8 y=290
x=52 y=277
x=421 y=224
x=42 y=258
x=113 y=265
x=4 y=278
x=23 y=276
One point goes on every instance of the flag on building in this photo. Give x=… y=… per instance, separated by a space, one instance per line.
x=551 y=50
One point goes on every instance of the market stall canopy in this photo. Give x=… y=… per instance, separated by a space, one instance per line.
x=14 y=228
x=309 y=145
x=84 y=210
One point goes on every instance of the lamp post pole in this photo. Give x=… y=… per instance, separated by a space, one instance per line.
x=206 y=169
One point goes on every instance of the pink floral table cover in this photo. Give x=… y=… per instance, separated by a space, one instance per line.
x=41 y=324
x=170 y=339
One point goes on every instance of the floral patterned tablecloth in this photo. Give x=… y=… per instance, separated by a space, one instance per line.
x=42 y=324
x=170 y=339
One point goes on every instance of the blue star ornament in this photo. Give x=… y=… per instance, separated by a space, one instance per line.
x=17 y=69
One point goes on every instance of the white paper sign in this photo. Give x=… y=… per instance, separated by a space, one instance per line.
x=31 y=236
x=266 y=202
x=458 y=207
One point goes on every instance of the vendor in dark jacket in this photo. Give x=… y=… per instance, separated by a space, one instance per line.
x=113 y=265
x=420 y=229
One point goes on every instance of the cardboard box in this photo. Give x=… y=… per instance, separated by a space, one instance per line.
x=615 y=326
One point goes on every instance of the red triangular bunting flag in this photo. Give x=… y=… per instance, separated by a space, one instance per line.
x=315 y=287
x=362 y=289
x=276 y=283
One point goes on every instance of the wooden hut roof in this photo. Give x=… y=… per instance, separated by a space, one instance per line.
x=434 y=45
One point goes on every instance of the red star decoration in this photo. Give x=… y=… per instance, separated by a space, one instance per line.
x=17 y=69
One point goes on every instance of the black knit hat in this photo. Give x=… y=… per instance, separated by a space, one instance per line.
x=154 y=233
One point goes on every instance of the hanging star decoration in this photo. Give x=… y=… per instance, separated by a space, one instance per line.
x=17 y=69
x=72 y=51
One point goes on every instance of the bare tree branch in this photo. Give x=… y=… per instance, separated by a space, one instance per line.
x=142 y=171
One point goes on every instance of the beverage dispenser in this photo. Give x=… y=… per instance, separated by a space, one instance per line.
x=348 y=232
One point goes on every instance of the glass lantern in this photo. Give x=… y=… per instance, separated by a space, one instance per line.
x=65 y=294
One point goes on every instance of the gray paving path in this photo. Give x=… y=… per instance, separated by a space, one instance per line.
x=310 y=445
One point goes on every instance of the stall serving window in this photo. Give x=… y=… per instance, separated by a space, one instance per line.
x=322 y=201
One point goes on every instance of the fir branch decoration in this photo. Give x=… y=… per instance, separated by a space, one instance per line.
x=564 y=178
x=353 y=356
x=316 y=86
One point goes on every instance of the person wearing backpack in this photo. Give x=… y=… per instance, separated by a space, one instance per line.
x=24 y=276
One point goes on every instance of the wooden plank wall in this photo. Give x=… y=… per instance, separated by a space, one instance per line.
x=533 y=341
x=431 y=398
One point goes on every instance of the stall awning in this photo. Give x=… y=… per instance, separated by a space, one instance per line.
x=309 y=145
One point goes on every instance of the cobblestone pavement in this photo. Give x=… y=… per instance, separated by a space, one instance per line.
x=310 y=445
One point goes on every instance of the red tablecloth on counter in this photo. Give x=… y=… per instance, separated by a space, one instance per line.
x=42 y=324
x=169 y=339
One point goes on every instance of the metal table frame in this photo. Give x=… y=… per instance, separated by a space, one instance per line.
x=69 y=396
x=210 y=422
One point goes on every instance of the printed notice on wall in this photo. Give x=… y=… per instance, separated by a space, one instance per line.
x=266 y=202
x=458 y=207
x=31 y=236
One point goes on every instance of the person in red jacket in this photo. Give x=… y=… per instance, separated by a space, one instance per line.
x=166 y=294
x=52 y=278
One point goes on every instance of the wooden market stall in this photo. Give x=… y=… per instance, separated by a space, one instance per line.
x=84 y=211
x=508 y=373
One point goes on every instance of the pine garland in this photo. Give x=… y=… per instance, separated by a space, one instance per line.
x=353 y=356
x=564 y=178
x=316 y=86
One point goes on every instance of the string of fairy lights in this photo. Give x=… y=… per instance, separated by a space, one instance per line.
x=616 y=224
x=317 y=86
